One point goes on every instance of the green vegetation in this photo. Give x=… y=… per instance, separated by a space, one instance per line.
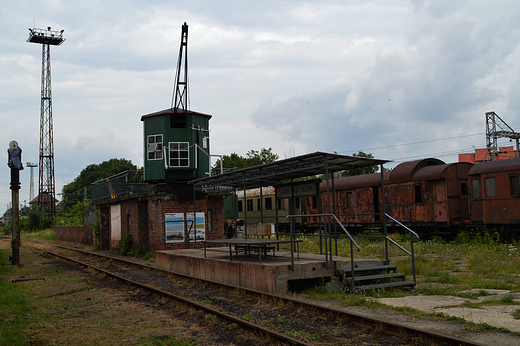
x=90 y=174
x=468 y=262
x=252 y=158
x=16 y=313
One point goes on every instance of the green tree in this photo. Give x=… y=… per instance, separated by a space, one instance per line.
x=252 y=158
x=363 y=170
x=90 y=174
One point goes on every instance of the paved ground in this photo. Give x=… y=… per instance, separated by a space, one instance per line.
x=500 y=316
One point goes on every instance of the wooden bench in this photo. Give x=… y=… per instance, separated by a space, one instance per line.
x=254 y=230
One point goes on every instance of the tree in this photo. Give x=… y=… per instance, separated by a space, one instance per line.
x=90 y=174
x=360 y=170
x=252 y=158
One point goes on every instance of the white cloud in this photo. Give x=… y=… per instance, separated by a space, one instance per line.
x=297 y=76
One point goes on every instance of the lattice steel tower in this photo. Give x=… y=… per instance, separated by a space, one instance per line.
x=46 y=182
x=31 y=182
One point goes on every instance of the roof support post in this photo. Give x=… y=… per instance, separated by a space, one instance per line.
x=384 y=209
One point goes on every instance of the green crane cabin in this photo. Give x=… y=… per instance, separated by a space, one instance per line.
x=176 y=146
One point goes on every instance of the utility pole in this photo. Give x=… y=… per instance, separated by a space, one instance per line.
x=14 y=154
x=496 y=128
x=46 y=193
x=31 y=181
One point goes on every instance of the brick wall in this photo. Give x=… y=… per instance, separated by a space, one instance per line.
x=180 y=200
x=144 y=218
x=76 y=234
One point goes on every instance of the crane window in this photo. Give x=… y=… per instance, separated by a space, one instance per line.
x=155 y=147
x=179 y=154
x=491 y=187
x=475 y=189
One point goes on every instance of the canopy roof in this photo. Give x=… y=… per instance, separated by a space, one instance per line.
x=284 y=170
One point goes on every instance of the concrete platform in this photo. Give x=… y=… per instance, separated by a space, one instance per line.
x=272 y=275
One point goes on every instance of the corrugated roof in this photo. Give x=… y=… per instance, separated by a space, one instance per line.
x=282 y=171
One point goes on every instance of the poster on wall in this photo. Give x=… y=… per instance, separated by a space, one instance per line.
x=174 y=227
x=198 y=230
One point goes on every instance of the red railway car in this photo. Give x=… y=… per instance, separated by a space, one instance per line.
x=495 y=195
x=425 y=195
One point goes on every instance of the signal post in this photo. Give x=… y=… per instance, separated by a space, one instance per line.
x=15 y=163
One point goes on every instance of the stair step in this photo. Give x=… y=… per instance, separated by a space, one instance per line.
x=388 y=284
x=376 y=277
x=347 y=271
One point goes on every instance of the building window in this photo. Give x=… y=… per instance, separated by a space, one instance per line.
x=475 y=188
x=178 y=121
x=491 y=187
x=239 y=206
x=268 y=203
x=249 y=205
x=179 y=154
x=155 y=147
x=418 y=194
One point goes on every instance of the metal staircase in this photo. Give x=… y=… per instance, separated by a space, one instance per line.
x=374 y=277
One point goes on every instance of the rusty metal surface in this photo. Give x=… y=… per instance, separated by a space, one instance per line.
x=495 y=166
x=405 y=171
x=438 y=171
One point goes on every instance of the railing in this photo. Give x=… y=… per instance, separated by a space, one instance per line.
x=411 y=252
x=118 y=187
x=353 y=242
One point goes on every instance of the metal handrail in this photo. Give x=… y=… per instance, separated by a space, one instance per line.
x=410 y=253
x=352 y=243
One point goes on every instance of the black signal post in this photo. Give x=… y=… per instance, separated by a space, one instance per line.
x=15 y=164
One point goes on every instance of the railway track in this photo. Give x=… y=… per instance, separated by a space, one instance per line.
x=263 y=313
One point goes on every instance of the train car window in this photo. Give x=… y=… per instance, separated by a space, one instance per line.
x=418 y=194
x=280 y=204
x=240 y=207
x=464 y=188
x=268 y=203
x=349 y=199
x=491 y=187
x=249 y=205
x=297 y=202
x=514 y=185
x=258 y=204
x=475 y=188
x=315 y=201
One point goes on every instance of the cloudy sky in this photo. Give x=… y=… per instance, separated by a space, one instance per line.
x=399 y=79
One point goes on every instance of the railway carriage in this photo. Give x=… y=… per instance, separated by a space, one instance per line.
x=495 y=195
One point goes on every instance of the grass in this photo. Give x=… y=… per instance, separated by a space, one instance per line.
x=16 y=312
x=468 y=262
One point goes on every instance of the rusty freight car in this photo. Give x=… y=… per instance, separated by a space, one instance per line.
x=495 y=195
x=427 y=195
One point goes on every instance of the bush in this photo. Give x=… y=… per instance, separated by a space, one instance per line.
x=126 y=245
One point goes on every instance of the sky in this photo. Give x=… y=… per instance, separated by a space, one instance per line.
x=402 y=80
